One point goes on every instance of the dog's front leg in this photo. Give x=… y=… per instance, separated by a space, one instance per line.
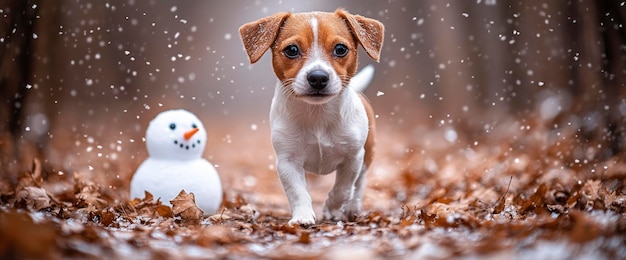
x=291 y=174
x=341 y=202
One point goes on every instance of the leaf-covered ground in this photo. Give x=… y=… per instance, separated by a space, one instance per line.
x=521 y=190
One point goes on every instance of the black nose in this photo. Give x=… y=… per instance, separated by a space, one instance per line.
x=318 y=79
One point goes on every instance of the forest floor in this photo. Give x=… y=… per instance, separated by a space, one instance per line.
x=519 y=191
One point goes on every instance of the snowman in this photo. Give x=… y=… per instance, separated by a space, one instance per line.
x=175 y=140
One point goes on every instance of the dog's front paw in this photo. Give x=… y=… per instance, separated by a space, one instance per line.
x=352 y=210
x=301 y=221
x=347 y=211
x=332 y=214
x=302 y=218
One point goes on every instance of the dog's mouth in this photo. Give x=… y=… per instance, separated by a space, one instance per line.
x=316 y=98
x=307 y=91
x=318 y=95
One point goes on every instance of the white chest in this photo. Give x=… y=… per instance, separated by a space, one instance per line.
x=324 y=152
x=318 y=149
x=318 y=137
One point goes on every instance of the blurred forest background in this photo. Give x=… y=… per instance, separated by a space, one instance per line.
x=79 y=80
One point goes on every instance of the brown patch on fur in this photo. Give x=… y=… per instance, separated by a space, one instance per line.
x=368 y=31
x=369 y=143
x=333 y=30
x=258 y=36
x=283 y=29
x=297 y=30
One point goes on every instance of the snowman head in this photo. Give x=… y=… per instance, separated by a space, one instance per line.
x=176 y=135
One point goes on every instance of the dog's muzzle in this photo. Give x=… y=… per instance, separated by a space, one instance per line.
x=318 y=79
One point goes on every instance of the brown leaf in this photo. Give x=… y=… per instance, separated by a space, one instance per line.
x=573 y=200
x=140 y=204
x=591 y=189
x=428 y=219
x=535 y=200
x=147 y=196
x=34 y=197
x=219 y=217
x=32 y=178
x=184 y=206
x=499 y=207
x=556 y=208
x=164 y=211
x=617 y=203
x=36 y=172
x=305 y=238
x=88 y=194
x=289 y=229
x=107 y=218
x=212 y=235
x=90 y=198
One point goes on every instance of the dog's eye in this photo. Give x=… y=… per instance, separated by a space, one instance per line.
x=292 y=51
x=172 y=126
x=340 y=50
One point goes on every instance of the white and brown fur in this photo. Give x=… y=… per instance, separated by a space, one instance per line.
x=319 y=122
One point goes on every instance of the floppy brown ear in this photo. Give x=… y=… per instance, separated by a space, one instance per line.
x=369 y=32
x=258 y=36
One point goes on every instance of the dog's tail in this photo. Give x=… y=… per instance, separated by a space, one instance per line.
x=361 y=80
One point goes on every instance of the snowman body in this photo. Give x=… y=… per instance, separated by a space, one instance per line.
x=175 y=140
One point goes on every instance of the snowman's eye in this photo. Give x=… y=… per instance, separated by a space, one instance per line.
x=172 y=126
x=194 y=126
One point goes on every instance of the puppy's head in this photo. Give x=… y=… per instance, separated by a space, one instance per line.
x=314 y=55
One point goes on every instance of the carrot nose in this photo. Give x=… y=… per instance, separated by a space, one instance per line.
x=190 y=133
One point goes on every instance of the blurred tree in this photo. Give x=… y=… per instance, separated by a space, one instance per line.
x=16 y=31
x=597 y=33
x=612 y=20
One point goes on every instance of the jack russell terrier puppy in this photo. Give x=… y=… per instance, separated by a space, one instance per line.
x=320 y=122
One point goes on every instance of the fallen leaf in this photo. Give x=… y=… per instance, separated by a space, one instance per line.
x=36 y=172
x=535 y=200
x=147 y=196
x=305 y=238
x=184 y=206
x=31 y=178
x=34 y=197
x=164 y=211
x=90 y=197
x=219 y=217
x=499 y=207
x=211 y=235
x=107 y=218
x=88 y=194
x=591 y=189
